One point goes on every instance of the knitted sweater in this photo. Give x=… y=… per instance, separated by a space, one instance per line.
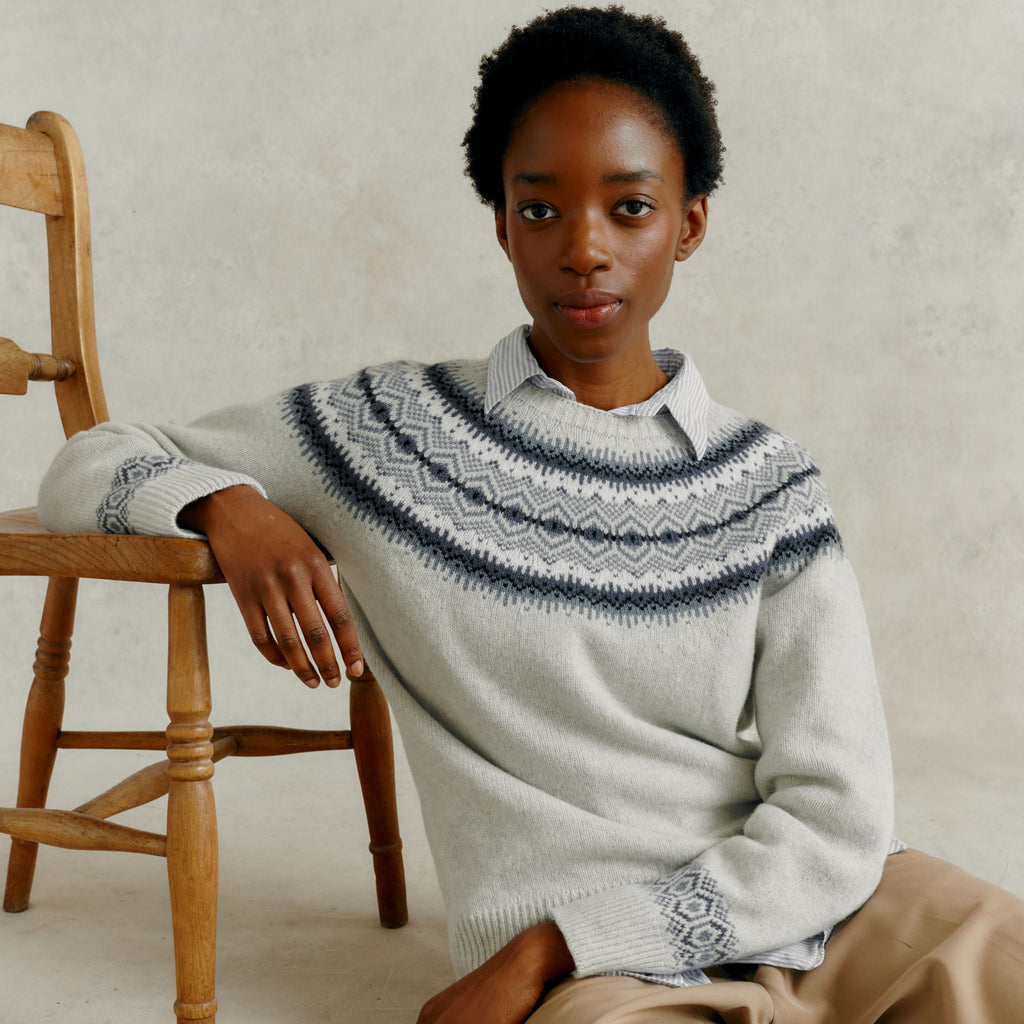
x=635 y=687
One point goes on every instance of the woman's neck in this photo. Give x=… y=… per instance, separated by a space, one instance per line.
x=607 y=384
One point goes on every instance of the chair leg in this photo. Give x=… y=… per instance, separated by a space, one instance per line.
x=371 y=743
x=44 y=713
x=191 y=814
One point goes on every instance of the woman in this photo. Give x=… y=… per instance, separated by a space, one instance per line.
x=616 y=625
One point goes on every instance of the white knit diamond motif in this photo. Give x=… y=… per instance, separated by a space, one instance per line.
x=696 y=917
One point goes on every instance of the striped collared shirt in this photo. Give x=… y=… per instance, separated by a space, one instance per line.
x=684 y=397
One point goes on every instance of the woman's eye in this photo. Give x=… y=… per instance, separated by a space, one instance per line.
x=536 y=211
x=635 y=208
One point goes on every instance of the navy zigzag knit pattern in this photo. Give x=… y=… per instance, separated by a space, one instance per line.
x=514 y=509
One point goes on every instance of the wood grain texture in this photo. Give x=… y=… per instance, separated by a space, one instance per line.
x=191 y=814
x=73 y=831
x=372 y=744
x=144 y=786
x=250 y=740
x=28 y=549
x=44 y=714
x=18 y=367
x=80 y=398
x=28 y=172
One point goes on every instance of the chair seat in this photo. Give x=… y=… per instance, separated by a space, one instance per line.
x=28 y=549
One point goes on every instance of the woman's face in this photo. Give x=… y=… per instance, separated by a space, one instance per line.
x=594 y=222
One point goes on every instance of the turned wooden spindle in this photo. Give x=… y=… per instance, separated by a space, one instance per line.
x=147 y=784
x=18 y=367
x=373 y=749
x=191 y=814
x=44 y=713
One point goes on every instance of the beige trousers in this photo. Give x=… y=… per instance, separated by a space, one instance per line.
x=933 y=945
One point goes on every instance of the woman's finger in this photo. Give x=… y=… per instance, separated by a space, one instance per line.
x=339 y=619
x=318 y=637
x=290 y=643
x=260 y=633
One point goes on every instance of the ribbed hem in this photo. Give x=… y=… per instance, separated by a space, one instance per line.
x=474 y=939
x=593 y=926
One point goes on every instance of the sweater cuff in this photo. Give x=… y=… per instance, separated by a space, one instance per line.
x=148 y=493
x=615 y=930
x=673 y=924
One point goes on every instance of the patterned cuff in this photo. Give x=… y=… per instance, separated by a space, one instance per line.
x=149 y=491
x=675 y=924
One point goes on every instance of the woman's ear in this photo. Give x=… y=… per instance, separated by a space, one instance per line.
x=695 y=224
x=501 y=230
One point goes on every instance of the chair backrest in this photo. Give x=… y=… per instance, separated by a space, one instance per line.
x=41 y=169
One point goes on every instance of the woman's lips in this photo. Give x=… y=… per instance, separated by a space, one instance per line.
x=588 y=308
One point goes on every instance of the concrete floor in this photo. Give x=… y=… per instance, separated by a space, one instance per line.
x=298 y=936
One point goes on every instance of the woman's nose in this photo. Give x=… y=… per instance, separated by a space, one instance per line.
x=586 y=245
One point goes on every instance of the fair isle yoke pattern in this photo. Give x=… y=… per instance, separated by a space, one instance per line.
x=408 y=448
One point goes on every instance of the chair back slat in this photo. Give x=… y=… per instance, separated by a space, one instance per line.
x=41 y=169
x=28 y=172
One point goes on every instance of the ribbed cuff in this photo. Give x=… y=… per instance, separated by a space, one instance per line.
x=149 y=494
x=615 y=930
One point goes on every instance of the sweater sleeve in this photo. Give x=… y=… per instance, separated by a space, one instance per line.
x=120 y=478
x=812 y=850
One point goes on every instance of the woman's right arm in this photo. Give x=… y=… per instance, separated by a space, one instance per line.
x=208 y=478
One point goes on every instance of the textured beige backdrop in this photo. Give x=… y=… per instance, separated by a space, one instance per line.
x=277 y=195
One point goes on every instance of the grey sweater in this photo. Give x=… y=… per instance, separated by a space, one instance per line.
x=635 y=686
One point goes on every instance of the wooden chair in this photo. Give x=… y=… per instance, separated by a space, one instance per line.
x=41 y=169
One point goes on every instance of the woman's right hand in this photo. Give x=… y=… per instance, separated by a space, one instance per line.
x=283 y=584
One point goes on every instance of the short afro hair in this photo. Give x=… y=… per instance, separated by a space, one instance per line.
x=638 y=51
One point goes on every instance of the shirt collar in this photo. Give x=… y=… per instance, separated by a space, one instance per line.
x=684 y=397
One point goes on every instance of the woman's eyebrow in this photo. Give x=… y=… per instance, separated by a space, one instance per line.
x=631 y=176
x=536 y=179
x=619 y=177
